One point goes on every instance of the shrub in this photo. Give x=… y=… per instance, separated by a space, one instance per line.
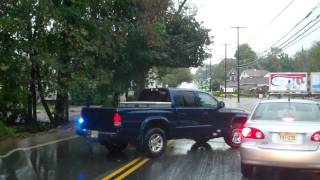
x=5 y=130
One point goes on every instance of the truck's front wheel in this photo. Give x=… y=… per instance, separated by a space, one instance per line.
x=233 y=137
x=154 y=142
x=116 y=147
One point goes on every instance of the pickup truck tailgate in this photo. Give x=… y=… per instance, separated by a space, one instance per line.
x=100 y=119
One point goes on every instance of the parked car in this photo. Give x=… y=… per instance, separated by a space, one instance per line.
x=282 y=133
x=159 y=115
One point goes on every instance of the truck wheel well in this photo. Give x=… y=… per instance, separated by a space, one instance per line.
x=238 y=121
x=158 y=124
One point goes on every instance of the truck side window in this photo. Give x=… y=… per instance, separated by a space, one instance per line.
x=207 y=101
x=155 y=95
x=185 y=99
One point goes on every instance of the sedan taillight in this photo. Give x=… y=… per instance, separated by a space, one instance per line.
x=315 y=137
x=252 y=133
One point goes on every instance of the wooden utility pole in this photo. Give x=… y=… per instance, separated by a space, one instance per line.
x=225 y=69
x=238 y=60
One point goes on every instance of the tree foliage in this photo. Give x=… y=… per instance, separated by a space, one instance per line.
x=89 y=49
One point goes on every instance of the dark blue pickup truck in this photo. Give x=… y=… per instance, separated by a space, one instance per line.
x=159 y=115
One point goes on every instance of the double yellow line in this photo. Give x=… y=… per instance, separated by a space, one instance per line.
x=125 y=167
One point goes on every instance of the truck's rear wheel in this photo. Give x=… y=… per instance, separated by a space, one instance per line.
x=116 y=147
x=154 y=142
x=233 y=137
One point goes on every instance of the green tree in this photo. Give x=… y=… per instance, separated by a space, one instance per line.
x=247 y=55
x=174 y=77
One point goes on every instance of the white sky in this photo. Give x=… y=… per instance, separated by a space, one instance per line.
x=220 y=15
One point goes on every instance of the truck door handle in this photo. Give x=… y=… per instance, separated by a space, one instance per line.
x=182 y=114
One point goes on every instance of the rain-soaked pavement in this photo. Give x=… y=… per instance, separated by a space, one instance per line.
x=62 y=155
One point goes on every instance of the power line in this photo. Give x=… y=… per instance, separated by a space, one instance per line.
x=288 y=44
x=280 y=13
x=292 y=42
x=273 y=19
x=307 y=16
x=303 y=37
x=299 y=31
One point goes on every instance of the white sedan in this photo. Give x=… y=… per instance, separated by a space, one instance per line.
x=282 y=133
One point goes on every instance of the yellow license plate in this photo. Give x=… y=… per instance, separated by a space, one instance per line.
x=288 y=137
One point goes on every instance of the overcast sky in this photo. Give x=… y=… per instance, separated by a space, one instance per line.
x=255 y=15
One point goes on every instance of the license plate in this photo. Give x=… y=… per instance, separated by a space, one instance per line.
x=94 y=134
x=288 y=137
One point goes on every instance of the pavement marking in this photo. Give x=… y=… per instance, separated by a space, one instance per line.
x=137 y=166
x=37 y=146
x=122 y=169
x=132 y=169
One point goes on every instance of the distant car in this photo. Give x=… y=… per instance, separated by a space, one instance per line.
x=281 y=133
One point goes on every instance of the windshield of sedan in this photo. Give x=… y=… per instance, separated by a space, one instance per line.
x=287 y=111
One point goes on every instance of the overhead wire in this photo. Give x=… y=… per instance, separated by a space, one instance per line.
x=273 y=19
x=303 y=19
x=304 y=37
x=294 y=42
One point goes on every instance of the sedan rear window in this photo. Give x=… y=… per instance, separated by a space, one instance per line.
x=287 y=111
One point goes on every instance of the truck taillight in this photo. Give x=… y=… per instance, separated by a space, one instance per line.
x=117 y=121
x=252 y=133
x=315 y=137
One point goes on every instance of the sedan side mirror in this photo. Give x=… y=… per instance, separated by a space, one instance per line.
x=221 y=104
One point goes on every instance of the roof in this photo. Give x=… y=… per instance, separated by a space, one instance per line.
x=291 y=100
x=254 y=80
x=255 y=72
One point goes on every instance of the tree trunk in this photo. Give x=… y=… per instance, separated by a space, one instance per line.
x=140 y=83
x=43 y=101
x=29 y=104
x=32 y=98
x=62 y=103
x=116 y=99
x=34 y=94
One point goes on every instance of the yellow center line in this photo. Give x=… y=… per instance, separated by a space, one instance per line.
x=122 y=169
x=145 y=160
x=132 y=169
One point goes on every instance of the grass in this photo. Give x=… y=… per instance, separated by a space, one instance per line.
x=23 y=129
x=5 y=130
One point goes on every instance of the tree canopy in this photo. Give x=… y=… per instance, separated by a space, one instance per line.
x=89 y=49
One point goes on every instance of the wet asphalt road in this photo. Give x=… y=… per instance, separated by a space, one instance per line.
x=184 y=159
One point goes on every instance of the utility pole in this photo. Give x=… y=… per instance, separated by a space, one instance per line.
x=238 y=60
x=210 y=77
x=225 y=69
